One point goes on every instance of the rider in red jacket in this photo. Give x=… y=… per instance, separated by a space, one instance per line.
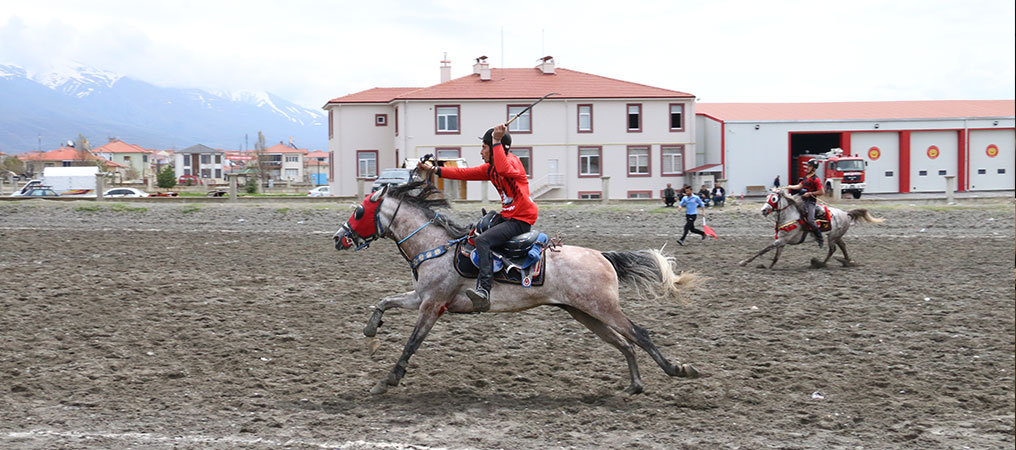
x=518 y=211
x=811 y=186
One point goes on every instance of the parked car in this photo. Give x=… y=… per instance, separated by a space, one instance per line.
x=125 y=192
x=40 y=191
x=392 y=177
x=320 y=191
x=187 y=180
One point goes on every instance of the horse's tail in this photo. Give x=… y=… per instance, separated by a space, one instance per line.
x=862 y=215
x=650 y=271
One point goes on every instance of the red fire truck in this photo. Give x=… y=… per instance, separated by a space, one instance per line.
x=832 y=164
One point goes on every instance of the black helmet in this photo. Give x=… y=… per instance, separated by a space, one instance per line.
x=488 y=138
x=813 y=163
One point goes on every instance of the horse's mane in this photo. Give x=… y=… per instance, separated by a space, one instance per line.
x=428 y=197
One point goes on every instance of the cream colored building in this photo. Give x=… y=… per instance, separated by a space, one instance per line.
x=638 y=137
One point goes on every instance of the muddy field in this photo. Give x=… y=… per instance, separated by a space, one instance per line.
x=174 y=325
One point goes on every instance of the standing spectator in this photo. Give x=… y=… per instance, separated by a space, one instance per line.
x=669 y=196
x=719 y=195
x=776 y=182
x=691 y=203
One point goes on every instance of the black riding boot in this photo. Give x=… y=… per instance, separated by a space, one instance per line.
x=480 y=295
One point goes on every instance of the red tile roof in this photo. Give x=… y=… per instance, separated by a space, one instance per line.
x=375 y=95
x=283 y=148
x=929 y=109
x=60 y=154
x=518 y=84
x=120 y=147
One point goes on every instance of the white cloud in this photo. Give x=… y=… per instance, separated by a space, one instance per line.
x=310 y=51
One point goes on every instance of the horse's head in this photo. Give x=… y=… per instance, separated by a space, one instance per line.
x=772 y=202
x=362 y=227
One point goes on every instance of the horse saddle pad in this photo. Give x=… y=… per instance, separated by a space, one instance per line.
x=525 y=268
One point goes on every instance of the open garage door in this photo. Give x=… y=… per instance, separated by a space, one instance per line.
x=810 y=144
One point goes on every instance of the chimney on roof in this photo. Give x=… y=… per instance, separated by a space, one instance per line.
x=482 y=67
x=446 y=69
x=546 y=65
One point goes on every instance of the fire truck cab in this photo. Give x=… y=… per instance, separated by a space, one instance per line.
x=832 y=164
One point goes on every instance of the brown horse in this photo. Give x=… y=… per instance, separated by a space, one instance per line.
x=579 y=280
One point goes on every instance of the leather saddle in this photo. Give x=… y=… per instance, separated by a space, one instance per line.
x=521 y=260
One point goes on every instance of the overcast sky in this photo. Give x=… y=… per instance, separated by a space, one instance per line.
x=309 y=51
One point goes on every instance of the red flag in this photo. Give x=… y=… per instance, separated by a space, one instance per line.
x=708 y=230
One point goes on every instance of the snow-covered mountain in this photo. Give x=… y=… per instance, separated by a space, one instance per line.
x=58 y=105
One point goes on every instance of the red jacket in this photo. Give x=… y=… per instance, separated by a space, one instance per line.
x=508 y=175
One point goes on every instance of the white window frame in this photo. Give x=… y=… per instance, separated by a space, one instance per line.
x=675 y=158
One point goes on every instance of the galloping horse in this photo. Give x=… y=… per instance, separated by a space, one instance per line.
x=579 y=280
x=791 y=227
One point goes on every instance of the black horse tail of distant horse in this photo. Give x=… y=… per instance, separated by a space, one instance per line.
x=649 y=271
x=862 y=215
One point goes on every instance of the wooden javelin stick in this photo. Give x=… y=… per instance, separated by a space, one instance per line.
x=528 y=108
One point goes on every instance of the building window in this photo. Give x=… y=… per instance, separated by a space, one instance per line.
x=525 y=155
x=186 y=171
x=206 y=173
x=640 y=194
x=589 y=195
x=186 y=161
x=888 y=173
x=127 y=159
x=331 y=126
x=206 y=159
x=381 y=120
x=218 y=159
x=982 y=172
x=218 y=173
x=144 y=158
x=292 y=174
x=1001 y=171
x=672 y=160
x=589 y=161
x=524 y=124
x=638 y=161
x=292 y=158
x=67 y=164
x=448 y=153
x=396 y=121
x=447 y=119
x=676 y=117
x=366 y=163
x=585 y=119
x=923 y=173
x=634 y=118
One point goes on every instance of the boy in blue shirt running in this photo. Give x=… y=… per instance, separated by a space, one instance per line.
x=691 y=203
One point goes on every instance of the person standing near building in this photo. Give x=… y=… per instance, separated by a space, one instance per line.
x=776 y=182
x=691 y=203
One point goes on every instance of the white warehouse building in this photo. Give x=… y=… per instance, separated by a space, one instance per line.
x=908 y=146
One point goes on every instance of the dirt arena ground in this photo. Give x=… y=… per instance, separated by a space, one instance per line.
x=164 y=325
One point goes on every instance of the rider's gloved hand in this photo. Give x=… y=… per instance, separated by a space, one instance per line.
x=424 y=167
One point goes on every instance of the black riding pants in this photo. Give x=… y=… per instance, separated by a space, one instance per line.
x=495 y=236
x=689 y=225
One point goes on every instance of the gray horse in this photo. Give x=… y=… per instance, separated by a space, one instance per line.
x=579 y=280
x=791 y=227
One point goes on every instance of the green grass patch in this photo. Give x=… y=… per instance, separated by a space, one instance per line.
x=282 y=210
x=119 y=207
x=187 y=209
x=89 y=208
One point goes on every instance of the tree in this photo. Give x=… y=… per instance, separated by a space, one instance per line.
x=166 y=179
x=260 y=165
x=12 y=164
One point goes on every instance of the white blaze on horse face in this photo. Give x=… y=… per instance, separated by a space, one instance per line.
x=771 y=202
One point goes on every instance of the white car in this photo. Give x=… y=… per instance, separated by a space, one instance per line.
x=320 y=191
x=125 y=192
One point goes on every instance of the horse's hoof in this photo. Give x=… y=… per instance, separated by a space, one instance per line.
x=743 y=263
x=846 y=262
x=380 y=388
x=689 y=371
x=373 y=344
x=816 y=264
x=634 y=389
x=763 y=266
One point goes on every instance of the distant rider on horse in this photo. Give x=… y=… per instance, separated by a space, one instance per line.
x=518 y=212
x=811 y=188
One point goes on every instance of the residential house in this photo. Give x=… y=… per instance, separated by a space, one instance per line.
x=316 y=166
x=136 y=159
x=593 y=132
x=283 y=162
x=68 y=157
x=205 y=162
